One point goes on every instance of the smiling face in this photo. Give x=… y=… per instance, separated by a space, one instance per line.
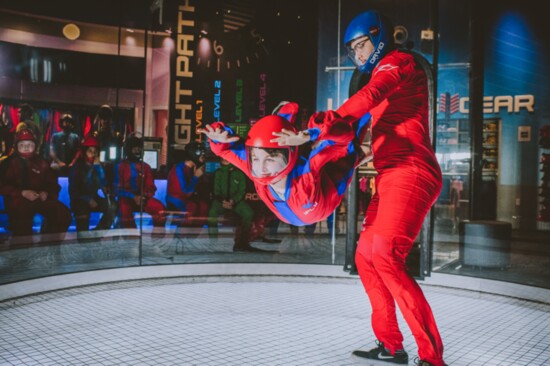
x=136 y=151
x=267 y=162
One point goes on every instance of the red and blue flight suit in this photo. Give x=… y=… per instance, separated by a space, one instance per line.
x=318 y=178
x=133 y=177
x=86 y=180
x=183 y=193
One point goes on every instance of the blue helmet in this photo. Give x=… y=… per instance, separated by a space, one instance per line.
x=370 y=24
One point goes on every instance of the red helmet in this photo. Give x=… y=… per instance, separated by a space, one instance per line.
x=24 y=134
x=260 y=136
x=90 y=141
x=288 y=110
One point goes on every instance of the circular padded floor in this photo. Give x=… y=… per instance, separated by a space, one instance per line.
x=258 y=321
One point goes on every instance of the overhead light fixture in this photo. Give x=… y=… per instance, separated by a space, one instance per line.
x=71 y=31
x=157 y=5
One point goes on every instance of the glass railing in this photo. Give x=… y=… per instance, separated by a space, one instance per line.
x=35 y=256
x=39 y=68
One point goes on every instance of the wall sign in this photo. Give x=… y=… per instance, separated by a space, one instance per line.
x=524 y=133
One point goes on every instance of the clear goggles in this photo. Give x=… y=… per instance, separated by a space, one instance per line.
x=359 y=49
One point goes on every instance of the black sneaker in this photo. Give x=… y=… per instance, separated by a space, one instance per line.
x=381 y=356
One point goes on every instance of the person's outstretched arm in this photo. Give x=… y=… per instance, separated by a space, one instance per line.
x=386 y=78
x=226 y=145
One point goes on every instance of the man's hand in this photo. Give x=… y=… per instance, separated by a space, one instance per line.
x=228 y=204
x=43 y=195
x=290 y=138
x=92 y=203
x=137 y=200
x=199 y=171
x=30 y=195
x=320 y=118
x=218 y=134
x=368 y=156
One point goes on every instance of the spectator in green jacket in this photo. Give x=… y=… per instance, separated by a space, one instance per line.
x=229 y=193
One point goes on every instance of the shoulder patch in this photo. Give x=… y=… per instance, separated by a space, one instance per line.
x=386 y=67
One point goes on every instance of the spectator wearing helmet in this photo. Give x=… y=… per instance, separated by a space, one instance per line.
x=89 y=190
x=300 y=187
x=64 y=145
x=135 y=187
x=184 y=180
x=110 y=142
x=30 y=187
x=27 y=120
x=6 y=136
x=407 y=185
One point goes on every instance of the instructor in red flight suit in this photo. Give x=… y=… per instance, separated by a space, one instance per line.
x=30 y=187
x=407 y=185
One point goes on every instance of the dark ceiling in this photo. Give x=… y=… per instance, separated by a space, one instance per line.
x=127 y=13
x=138 y=13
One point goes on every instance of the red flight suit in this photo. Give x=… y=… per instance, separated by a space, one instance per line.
x=407 y=185
x=34 y=174
x=128 y=180
x=182 y=194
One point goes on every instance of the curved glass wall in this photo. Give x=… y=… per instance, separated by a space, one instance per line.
x=164 y=70
x=119 y=76
x=491 y=219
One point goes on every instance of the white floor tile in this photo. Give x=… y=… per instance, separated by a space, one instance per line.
x=171 y=322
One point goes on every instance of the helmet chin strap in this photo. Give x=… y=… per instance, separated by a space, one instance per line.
x=278 y=179
x=265 y=181
x=26 y=155
x=134 y=158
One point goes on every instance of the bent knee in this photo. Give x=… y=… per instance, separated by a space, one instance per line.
x=390 y=251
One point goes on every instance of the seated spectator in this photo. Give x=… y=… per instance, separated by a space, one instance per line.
x=135 y=187
x=229 y=191
x=25 y=113
x=89 y=190
x=184 y=179
x=30 y=187
x=64 y=145
x=6 y=136
x=110 y=141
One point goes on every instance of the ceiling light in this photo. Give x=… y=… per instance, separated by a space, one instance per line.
x=71 y=31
